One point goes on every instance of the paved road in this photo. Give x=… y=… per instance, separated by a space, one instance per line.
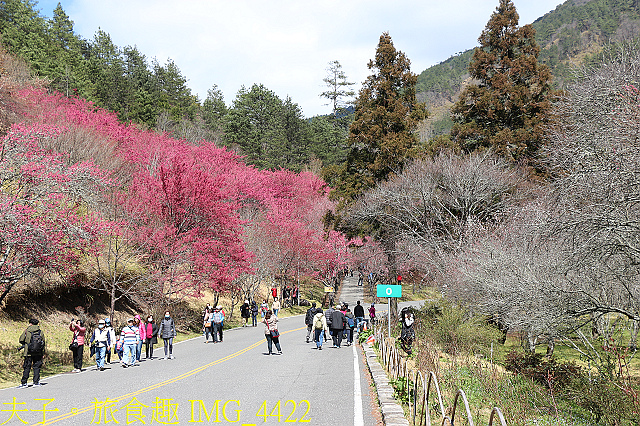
x=231 y=382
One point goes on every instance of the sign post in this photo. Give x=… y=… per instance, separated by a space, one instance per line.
x=388 y=291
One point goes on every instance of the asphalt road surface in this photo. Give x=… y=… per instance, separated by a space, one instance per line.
x=231 y=382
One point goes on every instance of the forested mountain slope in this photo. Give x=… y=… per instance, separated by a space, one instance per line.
x=574 y=32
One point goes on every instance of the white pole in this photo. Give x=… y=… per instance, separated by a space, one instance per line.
x=389 y=315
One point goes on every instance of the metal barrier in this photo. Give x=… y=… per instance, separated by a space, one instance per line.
x=419 y=395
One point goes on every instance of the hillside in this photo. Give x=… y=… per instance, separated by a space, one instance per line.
x=576 y=31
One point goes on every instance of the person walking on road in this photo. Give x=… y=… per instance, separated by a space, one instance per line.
x=264 y=307
x=351 y=323
x=276 y=306
x=77 y=344
x=328 y=315
x=338 y=322
x=308 y=319
x=167 y=331
x=129 y=338
x=217 y=320
x=372 y=313
x=207 y=326
x=102 y=337
x=271 y=332
x=112 y=338
x=254 y=313
x=358 y=312
x=151 y=333
x=143 y=336
x=245 y=311
x=33 y=343
x=319 y=328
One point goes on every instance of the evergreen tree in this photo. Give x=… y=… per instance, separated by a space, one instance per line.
x=509 y=107
x=214 y=109
x=24 y=32
x=339 y=87
x=253 y=124
x=381 y=137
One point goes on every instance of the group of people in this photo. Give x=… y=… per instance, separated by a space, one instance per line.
x=213 y=323
x=339 y=321
x=127 y=344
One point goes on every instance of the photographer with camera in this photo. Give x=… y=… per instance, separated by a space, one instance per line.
x=32 y=341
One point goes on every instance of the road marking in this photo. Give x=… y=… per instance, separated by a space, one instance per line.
x=358 y=416
x=75 y=412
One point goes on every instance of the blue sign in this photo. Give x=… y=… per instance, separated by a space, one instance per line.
x=388 y=290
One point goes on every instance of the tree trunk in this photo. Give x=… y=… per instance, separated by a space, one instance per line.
x=529 y=341
x=551 y=345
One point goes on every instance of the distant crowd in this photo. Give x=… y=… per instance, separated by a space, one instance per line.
x=127 y=344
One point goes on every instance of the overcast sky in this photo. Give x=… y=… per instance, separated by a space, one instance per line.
x=286 y=44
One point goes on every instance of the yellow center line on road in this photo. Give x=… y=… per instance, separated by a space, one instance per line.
x=75 y=412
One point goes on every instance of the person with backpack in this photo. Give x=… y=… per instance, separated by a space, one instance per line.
x=77 y=344
x=319 y=328
x=167 y=331
x=308 y=319
x=102 y=337
x=351 y=323
x=33 y=343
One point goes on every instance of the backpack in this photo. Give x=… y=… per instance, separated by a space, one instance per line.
x=317 y=323
x=350 y=322
x=217 y=318
x=36 y=344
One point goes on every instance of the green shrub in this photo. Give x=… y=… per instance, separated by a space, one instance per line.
x=547 y=372
x=455 y=329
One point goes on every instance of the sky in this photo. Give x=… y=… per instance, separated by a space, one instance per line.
x=286 y=45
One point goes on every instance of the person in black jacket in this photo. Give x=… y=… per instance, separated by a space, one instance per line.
x=245 y=311
x=358 y=312
x=308 y=319
x=32 y=358
x=338 y=322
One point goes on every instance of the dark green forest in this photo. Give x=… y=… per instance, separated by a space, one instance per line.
x=271 y=132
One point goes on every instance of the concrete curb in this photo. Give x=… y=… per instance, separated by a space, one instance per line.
x=392 y=412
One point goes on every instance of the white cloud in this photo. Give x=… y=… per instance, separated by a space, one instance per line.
x=286 y=44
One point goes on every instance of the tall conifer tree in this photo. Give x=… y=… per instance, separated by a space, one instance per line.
x=382 y=134
x=508 y=107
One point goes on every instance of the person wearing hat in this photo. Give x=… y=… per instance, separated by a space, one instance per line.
x=33 y=352
x=129 y=338
x=112 y=337
x=102 y=338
